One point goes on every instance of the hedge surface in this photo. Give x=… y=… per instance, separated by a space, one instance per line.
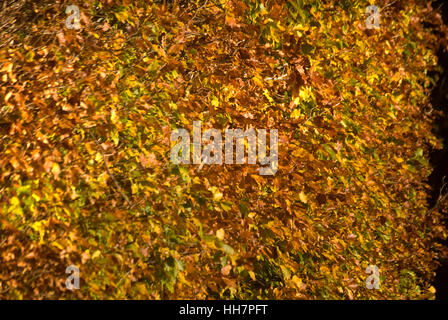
x=85 y=171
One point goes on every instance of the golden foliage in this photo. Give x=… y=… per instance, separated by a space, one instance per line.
x=85 y=176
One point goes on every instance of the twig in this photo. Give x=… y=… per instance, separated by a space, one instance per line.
x=276 y=78
x=388 y=5
x=442 y=197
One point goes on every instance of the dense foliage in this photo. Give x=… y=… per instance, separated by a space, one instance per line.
x=85 y=171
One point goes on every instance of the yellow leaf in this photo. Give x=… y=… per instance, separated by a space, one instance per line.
x=113 y=116
x=96 y=254
x=55 y=170
x=15 y=201
x=252 y=275
x=295 y=114
x=115 y=138
x=220 y=234
x=141 y=288
x=303 y=197
x=121 y=16
x=216 y=194
x=258 y=80
x=8 y=95
x=297 y=281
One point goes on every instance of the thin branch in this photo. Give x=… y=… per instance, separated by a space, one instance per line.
x=442 y=196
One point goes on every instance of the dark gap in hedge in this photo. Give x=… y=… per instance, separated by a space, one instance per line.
x=439 y=158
